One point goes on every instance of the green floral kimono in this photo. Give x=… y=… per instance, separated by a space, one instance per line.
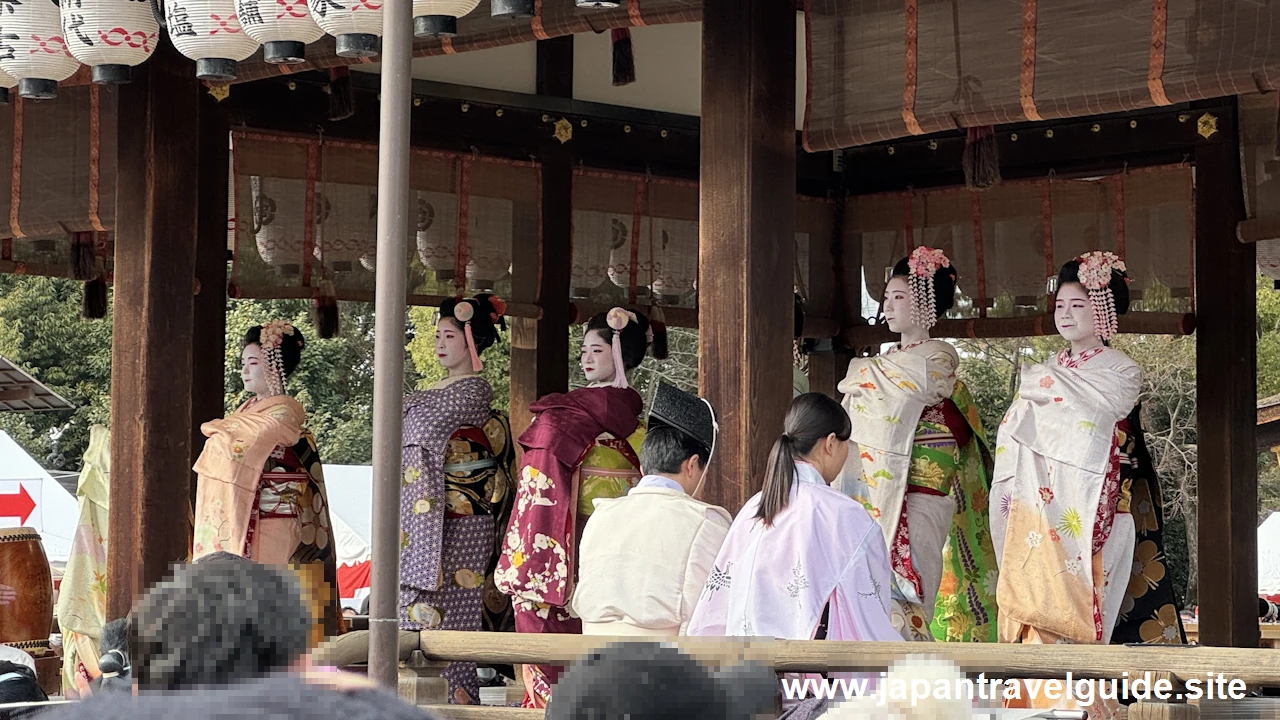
x=966 y=604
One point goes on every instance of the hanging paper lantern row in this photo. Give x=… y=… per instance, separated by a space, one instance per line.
x=437 y=233
x=209 y=32
x=7 y=82
x=593 y=236
x=439 y=18
x=675 y=258
x=110 y=36
x=32 y=48
x=488 y=242
x=356 y=24
x=284 y=27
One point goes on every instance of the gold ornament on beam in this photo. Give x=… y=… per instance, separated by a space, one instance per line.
x=1207 y=126
x=220 y=92
x=564 y=131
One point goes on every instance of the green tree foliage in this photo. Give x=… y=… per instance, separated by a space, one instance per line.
x=41 y=332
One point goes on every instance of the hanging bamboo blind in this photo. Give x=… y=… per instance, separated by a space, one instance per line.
x=1007 y=240
x=884 y=69
x=57 y=178
x=306 y=215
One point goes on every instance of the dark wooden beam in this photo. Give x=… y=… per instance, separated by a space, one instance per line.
x=1080 y=146
x=747 y=206
x=1226 y=385
x=541 y=260
x=209 y=331
x=555 y=67
x=155 y=261
x=505 y=124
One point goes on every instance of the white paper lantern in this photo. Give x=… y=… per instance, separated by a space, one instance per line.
x=675 y=251
x=593 y=236
x=7 y=82
x=32 y=48
x=488 y=242
x=276 y=231
x=110 y=36
x=284 y=27
x=439 y=18
x=437 y=233
x=620 y=259
x=351 y=231
x=356 y=24
x=209 y=32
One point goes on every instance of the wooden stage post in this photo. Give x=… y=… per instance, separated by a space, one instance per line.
x=1226 y=385
x=209 y=330
x=540 y=348
x=155 y=261
x=747 y=208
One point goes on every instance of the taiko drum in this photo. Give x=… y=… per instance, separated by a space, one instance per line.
x=26 y=590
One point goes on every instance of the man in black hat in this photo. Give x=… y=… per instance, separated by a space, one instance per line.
x=645 y=557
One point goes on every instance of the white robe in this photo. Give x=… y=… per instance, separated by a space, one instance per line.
x=644 y=559
x=1056 y=446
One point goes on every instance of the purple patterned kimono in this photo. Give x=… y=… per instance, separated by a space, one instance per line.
x=443 y=559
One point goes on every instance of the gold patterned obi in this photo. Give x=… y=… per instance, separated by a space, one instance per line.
x=280 y=493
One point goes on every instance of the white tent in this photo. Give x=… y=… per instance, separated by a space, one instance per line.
x=1269 y=556
x=350 y=491
x=55 y=512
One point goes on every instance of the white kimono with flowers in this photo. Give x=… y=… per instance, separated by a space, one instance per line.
x=1056 y=473
x=885 y=397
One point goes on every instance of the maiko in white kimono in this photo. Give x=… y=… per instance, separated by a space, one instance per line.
x=908 y=496
x=1065 y=553
x=822 y=553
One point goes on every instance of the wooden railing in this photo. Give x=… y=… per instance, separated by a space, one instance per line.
x=1259 y=667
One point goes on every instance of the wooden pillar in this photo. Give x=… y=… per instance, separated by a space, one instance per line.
x=827 y=299
x=747 y=230
x=209 y=329
x=540 y=348
x=155 y=260
x=1226 y=387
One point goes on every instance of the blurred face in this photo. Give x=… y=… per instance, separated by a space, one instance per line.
x=597 y=358
x=897 y=305
x=253 y=370
x=1073 y=313
x=451 y=344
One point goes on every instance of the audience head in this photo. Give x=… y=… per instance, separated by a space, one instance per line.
x=816 y=431
x=114 y=663
x=652 y=681
x=18 y=685
x=219 y=620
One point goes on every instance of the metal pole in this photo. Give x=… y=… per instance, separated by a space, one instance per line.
x=388 y=353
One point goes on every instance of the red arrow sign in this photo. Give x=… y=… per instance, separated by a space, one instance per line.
x=17 y=505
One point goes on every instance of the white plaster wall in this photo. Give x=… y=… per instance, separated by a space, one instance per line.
x=668 y=69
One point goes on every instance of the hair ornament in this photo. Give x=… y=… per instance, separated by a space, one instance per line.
x=499 y=308
x=270 y=339
x=1095 y=275
x=617 y=318
x=463 y=312
x=923 y=263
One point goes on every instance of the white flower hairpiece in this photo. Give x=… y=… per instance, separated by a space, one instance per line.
x=1095 y=275
x=270 y=338
x=923 y=264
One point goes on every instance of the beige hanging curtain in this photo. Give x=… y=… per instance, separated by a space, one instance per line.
x=885 y=69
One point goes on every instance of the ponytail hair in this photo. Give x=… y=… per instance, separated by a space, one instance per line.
x=812 y=417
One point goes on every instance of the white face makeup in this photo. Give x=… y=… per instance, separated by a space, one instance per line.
x=253 y=370
x=1073 y=313
x=897 y=305
x=597 y=358
x=451 y=345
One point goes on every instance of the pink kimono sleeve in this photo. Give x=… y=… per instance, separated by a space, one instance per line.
x=860 y=603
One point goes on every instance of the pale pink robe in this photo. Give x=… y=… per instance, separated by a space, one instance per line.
x=774 y=582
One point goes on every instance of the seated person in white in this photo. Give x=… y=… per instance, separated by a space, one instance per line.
x=645 y=557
